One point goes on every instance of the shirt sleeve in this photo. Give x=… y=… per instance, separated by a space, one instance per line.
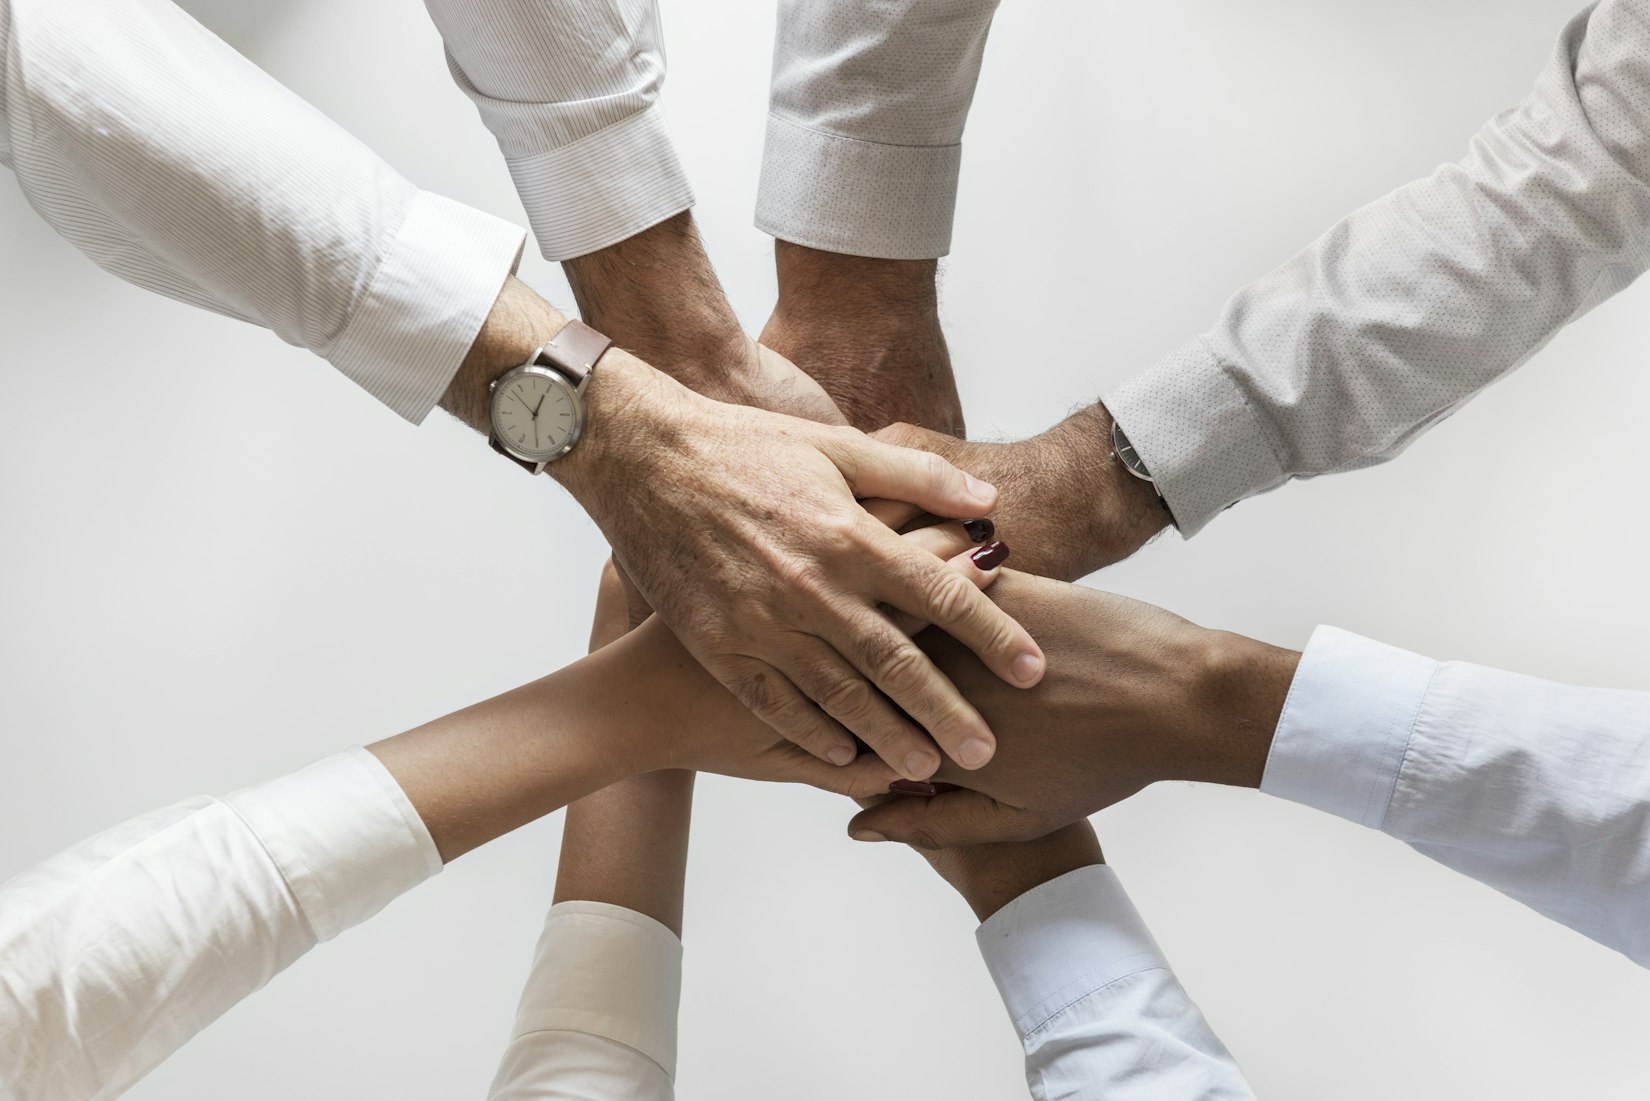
x=121 y=949
x=570 y=88
x=1401 y=313
x=176 y=164
x=1535 y=788
x=865 y=124
x=597 y=1018
x=1097 y=1008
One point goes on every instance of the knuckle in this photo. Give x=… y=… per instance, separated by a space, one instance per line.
x=950 y=596
x=900 y=670
x=846 y=698
x=755 y=691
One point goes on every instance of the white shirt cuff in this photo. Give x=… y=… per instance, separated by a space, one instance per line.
x=420 y=314
x=863 y=198
x=1200 y=439
x=344 y=836
x=1346 y=725
x=603 y=188
x=606 y=971
x=1061 y=942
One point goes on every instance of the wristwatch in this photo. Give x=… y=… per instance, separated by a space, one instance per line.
x=537 y=409
x=1130 y=458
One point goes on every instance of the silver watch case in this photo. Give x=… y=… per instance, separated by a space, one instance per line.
x=536 y=366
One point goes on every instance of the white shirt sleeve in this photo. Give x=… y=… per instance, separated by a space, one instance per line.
x=865 y=124
x=1402 y=312
x=1540 y=790
x=570 y=88
x=176 y=164
x=598 y=1015
x=1097 y=1008
x=116 y=952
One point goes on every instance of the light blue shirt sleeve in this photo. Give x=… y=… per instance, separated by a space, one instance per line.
x=1540 y=790
x=1098 y=1010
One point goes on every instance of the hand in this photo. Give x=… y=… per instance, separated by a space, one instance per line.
x=742 y=529
x=1134 y=695
x=691 y=722
x=1068 y=505
x=869 y=331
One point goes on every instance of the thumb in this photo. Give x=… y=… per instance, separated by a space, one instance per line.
x=921 y=478
x=944 y=821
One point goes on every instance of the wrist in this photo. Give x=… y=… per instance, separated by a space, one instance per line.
x=989 y=877
x=893 y=289
x=1119 y=512
x=1243 y=684
x=519 y=323
x=627 y=409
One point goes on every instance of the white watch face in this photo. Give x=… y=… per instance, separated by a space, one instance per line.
x=535 y=415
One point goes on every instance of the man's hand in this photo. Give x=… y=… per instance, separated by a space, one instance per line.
x=1134 y=695
x=1068 y=505
x=869 y=331
x=742 y=528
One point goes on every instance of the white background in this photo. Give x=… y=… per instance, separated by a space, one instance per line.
x=221 y=561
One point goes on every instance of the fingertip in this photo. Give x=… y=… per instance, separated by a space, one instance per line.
x=1028 y=669
x=841 y=755
x=983 y=492
x=976 y=752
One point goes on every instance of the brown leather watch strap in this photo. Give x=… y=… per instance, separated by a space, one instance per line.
x=526 y=464
x=575 y=350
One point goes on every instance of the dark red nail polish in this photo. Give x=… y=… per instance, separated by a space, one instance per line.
x=990 y=556
x=913 y=787
x=979 y=530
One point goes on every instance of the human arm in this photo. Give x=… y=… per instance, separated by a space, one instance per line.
x=1412 y=305
x=117 y=951
x=597 y=1016
x=1534 y=788
x=176 y=164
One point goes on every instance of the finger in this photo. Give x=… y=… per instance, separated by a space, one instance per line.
x=981 y=567
x=891 y=514
x=771 y=697
x=945 y=821
x=846 y=696
x=610 y=621
x=874 y=469
x=864 y=778
x=940 y=596
x=942 y=540
x=895 y=664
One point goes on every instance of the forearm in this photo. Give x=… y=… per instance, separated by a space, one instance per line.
x=868 y=331
x=990 y=876
x=627 y=846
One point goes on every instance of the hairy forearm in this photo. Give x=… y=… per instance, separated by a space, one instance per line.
x=519 y=324
x=868 y=331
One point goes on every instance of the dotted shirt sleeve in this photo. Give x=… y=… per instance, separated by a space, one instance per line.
x=865 y=123
x=1397 y=316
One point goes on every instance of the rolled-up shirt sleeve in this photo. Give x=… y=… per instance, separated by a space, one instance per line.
x=597 y=1017
x=570 y=89
x=116 y=952
x=1536 y=788
x=1098 y=1010
x=1412 y=305
x=176 y=164
x=865 y=124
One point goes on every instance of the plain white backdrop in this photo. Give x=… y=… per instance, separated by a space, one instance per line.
x=219 y=561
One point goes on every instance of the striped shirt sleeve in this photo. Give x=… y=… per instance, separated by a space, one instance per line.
x=176 y=164
x=570 y=89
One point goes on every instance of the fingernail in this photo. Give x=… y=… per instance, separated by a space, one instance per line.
x=973 y=753
x=913 y=787
x=990 y=556
x=979 y=530
x=919 y=765
x=984 y=492
x=867 y=835
x=1027 y=667
x=841 y=755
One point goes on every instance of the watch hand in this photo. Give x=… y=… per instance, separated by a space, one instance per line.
x=539 y=406
x=534 y=413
